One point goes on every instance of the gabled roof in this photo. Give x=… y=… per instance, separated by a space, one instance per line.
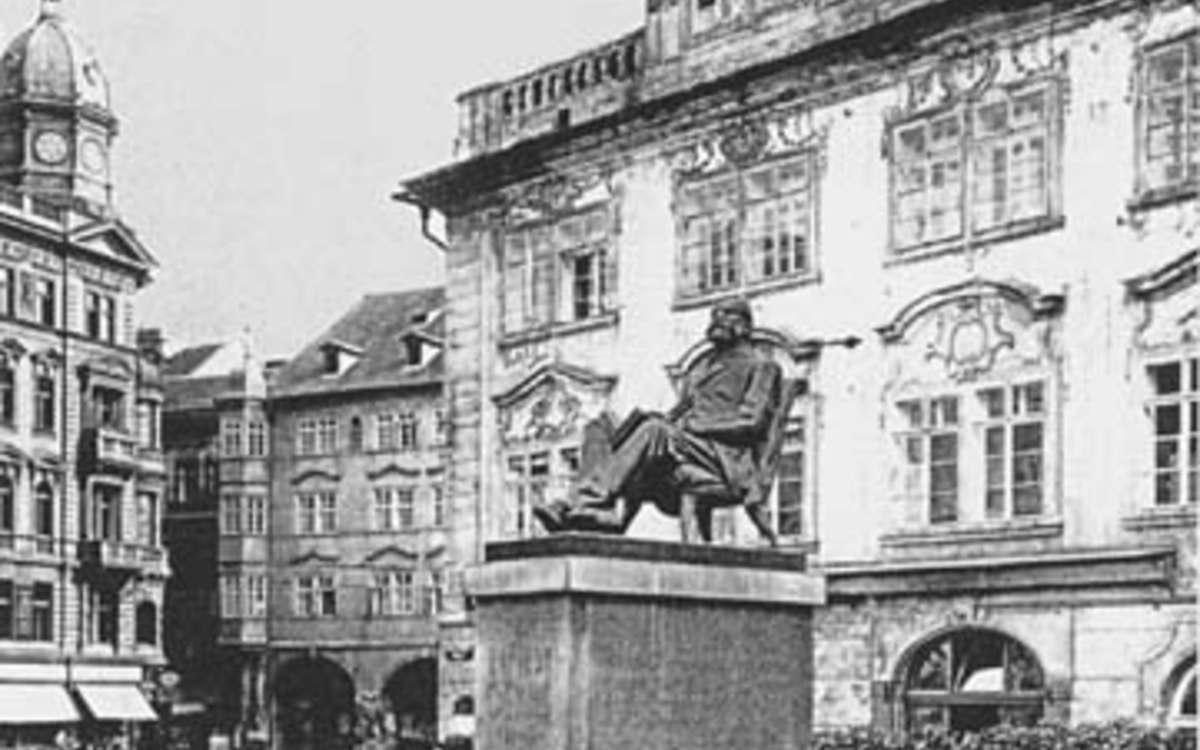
x=376 y=327
x=186 y=361
x=112 y=239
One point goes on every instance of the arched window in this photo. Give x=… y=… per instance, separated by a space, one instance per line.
x=1182 y=696
x=8 y=392
x=146 y=627
x=970 y=679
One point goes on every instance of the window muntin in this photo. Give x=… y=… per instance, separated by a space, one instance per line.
x=43 y=510
x=256 y=438
x=231 y=437
x=100 y=316
x=742 y=229
x=106 y=512
x=44 y=402
x=109 y=408
x=148 y=521
x=255 y=516
x=395 y=508
x=8 y=392
x=8 y=291
x=979 y=453
x=1174 y=407
x=42 y=617
x=315 y=596
x=231 y=596
x=8 y=506
x=1169 y=129
x=534 y=478
x=975 y=170
x=557 y=272
x=45 y=301
x=792 y=479
x=316 y=513
x=231 y=515
x=394 y=593
x=971 y=679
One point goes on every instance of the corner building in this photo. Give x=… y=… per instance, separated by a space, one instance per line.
x=998 y=199
x=81 y=471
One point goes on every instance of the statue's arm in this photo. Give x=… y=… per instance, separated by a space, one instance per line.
x=752 y=416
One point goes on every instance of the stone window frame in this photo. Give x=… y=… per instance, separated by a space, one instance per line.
x=45 y=398
x=957 y=694
x=740 y=229
x=1180 y=696
x=1147 y=194
x=533 y=475
x=1187 y=398
x=965 y=108
x=100 y=316
x=8 y=390
x=254 y=514
x=232 y=437
x=314 y=595
x=319 y=519
x=546 y=247
x=394 y=507
x=230 y=518
x=395 y=592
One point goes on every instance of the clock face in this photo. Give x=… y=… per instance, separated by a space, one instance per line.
x=94 y=156
x=50 y=147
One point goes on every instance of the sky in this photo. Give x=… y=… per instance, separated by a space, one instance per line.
x=261 y=140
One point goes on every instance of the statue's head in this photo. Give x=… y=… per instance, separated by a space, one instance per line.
x=731 y=323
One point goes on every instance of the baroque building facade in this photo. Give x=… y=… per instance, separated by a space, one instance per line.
x=316 y=522
x=82 y=565
x=1000 y=200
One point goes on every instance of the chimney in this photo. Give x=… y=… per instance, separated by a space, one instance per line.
x=150 y=344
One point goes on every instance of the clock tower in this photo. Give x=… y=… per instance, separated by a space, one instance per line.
x=56 y=124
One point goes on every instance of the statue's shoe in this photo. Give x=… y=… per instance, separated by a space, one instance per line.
x=552 y=517
x=592 y=520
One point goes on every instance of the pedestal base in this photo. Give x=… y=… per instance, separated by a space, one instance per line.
x=600 y=643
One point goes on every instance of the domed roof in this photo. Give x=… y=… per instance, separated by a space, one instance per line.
x=48 y=61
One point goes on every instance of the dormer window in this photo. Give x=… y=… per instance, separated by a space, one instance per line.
x=339 y=357
x=413 y=349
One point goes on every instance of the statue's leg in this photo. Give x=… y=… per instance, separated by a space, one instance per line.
x=689 y=531
x=762 y=522
x=704 y=520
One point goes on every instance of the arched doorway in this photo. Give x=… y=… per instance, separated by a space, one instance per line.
x=315 y=700
x=411 y=695
x=968 y=679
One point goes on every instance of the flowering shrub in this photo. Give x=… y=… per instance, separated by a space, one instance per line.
x=1115 y=736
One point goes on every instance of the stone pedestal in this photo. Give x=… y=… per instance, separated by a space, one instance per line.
x=602 y=643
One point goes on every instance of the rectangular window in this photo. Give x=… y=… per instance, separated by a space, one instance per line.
x=1170 y=115
x=255 y=588
x=8 y=393
x=387 y=432
x=7 y=611
x=100 y=316
x=8 y=291
x=306 y=437
x=327 y=436
x=394 y=593
x=435 y=592
x=407 y=426
x=106 y=606
x=929 y=444
x=231 y=596
x=106 y=521
x=44 y=401
x=148 y=519
x=231 y=515
x=255 y=516
x=316 y=513
x=45 y=302
x=256 y=439
x=42 y=620
x=557 y=272
x=316 y=596
x=231 y=437
x=791 y=479
x=1174 y=407
x=108 y=405
x=441 y=428
x=748 y=228
x=394 y=509
x=535 y=479
x=438 y=504
x=1014 y=449
x=977 y=169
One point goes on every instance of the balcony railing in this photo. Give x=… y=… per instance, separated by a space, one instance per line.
x=121 y=557
x=116 y=448
x=28 y=545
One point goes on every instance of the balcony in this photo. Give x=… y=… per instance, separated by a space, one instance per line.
x=121 y=559
x=25 y=546
x=150 y=462
x=115 y=449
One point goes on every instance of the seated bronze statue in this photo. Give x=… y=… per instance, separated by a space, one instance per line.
x=717 y=447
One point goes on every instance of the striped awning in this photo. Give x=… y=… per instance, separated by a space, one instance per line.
x=25 y=703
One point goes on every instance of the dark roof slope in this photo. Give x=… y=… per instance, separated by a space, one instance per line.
x=201 y=393
x=376 y=326
x=185 y=361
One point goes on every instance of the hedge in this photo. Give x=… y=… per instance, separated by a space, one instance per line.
x=1114 y=736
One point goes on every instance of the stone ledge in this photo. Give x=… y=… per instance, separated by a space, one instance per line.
x=568 y=574
x=608 y=547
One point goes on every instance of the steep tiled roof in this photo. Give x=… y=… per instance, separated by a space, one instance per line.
x=377 y=326
x=200 y=393
x=185 y=361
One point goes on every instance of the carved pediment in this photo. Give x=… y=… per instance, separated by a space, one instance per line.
x=552 y=402
x=107 y=367
x=314 y=475
x=313 y=557
x=971 y=330
x=558 y=195
x=748 y=142
x=393 y=470
x=391 y=555
x=1170 y=312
